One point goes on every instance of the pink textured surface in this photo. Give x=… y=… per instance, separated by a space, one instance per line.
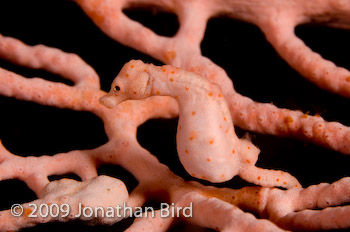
x=286 y=208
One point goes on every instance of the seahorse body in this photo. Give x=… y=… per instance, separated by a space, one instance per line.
x=207 y=145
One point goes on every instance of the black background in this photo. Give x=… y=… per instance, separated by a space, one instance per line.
x=241 y=49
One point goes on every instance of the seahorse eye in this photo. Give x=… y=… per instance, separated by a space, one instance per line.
x=116 y=88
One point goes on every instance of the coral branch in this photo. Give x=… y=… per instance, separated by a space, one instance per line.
x=310 y=64
x=227 y=217
x=317 y=220
x=152 y=223
x=69 y=66
x=266 y=118
x=35 y=170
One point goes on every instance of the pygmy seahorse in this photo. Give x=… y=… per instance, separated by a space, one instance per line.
x=207 y=144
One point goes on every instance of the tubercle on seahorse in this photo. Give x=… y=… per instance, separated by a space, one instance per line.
x=207 y=145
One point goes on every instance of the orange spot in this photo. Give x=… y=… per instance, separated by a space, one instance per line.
x=157 y=92
x=175 y=97
x=171 y=79
x=135 y=92
x=193 y=135
x=187 y=88
x=180 y=127
x=317 y=115
x=169 y=55
x=296 y=186
x=208 y=159
x=219 y=95
x=131 y=66
x=164 y=70
x=172 y=72
x=186 y=151
x=288 y=120
x=277 y=179
x=146 y=70
x=203 y=177
x=210 y=94
x=285 y=183
x=193 y=112
x=226 y=131
x=304 y=116
x=233 y=151
x=27 y=211
x=97 y=16
x=248 y=161
x=211 y=141
x=127 y=75
x=220 y=127
x=259 y=177
x=348 y=79
x=193 y=175
x=248 y=148
x=225 y=119
x=222 y=176
x=212 y=76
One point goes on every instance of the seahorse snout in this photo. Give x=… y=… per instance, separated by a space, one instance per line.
x=109 y=101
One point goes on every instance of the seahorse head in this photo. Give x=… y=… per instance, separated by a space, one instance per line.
x=132 y=82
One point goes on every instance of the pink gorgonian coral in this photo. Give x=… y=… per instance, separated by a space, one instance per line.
x=81 y=161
